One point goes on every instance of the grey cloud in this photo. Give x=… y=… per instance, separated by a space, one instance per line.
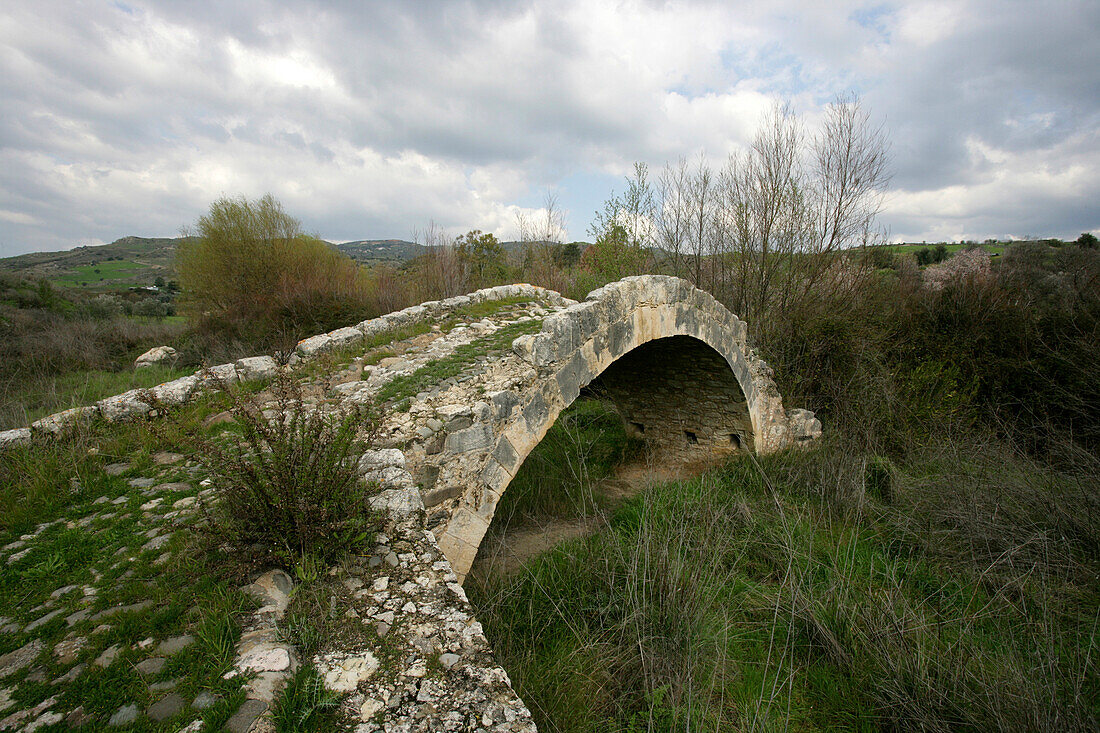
x=126 y=118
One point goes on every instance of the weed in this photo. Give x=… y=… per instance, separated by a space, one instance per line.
x=305 y=705
x=216 y=635
x=290 y=488
x=308 y=569
x=47 y=568
x=879 y=476
x=308 y=622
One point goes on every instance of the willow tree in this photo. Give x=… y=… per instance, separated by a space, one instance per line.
x=250 y=265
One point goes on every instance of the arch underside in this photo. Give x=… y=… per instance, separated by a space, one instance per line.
x=680 y=396
x=679 y=379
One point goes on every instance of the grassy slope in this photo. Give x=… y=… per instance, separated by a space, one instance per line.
x=50 y=394
x=714 y=605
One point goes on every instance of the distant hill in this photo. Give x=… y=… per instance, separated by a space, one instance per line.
x=381 y=250
x=134 y=261
x=126 y=262
x=398 y=250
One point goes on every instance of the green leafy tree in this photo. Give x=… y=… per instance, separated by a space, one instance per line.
x=633 y=212
x=613 y=257
x=567 y=254
x=483 y=256
x=1087 y=240
x=251 y=265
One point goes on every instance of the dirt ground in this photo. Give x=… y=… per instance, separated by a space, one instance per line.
x=506 y=552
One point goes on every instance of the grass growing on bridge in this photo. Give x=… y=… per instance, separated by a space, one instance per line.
x=484 y=309
x=431 y=374
x=101 y=543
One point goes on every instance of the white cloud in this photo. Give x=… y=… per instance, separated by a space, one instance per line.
x=17 y=217
x=924 y=24
x=370 y=119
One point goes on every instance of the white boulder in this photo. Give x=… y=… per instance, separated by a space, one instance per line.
x=158 y=355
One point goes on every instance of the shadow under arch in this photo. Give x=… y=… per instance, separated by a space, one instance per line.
x=680 y=396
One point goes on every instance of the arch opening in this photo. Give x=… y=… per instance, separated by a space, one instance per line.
x=680 y=396
x=676 y=395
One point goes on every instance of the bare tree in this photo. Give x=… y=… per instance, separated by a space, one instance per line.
x=442 y=273
x=672 y=215
x=790 y=206
x=765 y=232
x=542 y=238
x=764 y=193
x=700 y=219
x=851 y=173
x=548 y=227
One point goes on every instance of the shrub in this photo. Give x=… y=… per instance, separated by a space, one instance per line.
x=880 y=258
x=252 y=264
x=290 y=487
x=150 y=308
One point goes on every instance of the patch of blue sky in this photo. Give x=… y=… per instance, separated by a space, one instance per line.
x=771 y=68
x=874 y=18
x=579 y=195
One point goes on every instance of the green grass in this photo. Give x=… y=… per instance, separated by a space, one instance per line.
x=488 y=308
x=951 y=248
x=396 y=334
x=185 y=587
x=372 y=350
x=560 y=476
x=715 y=604
x=189 y=586
x=48 y=477
x=108 y=273
x=50 y=394
x=406 y=386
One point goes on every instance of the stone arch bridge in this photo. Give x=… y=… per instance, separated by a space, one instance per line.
x=473 y=383
x=672 y=359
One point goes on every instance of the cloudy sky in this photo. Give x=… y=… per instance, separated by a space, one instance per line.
x=368 y=120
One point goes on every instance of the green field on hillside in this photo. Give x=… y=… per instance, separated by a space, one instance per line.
x=127 y=262
x=993 y=249
x=114 y=273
